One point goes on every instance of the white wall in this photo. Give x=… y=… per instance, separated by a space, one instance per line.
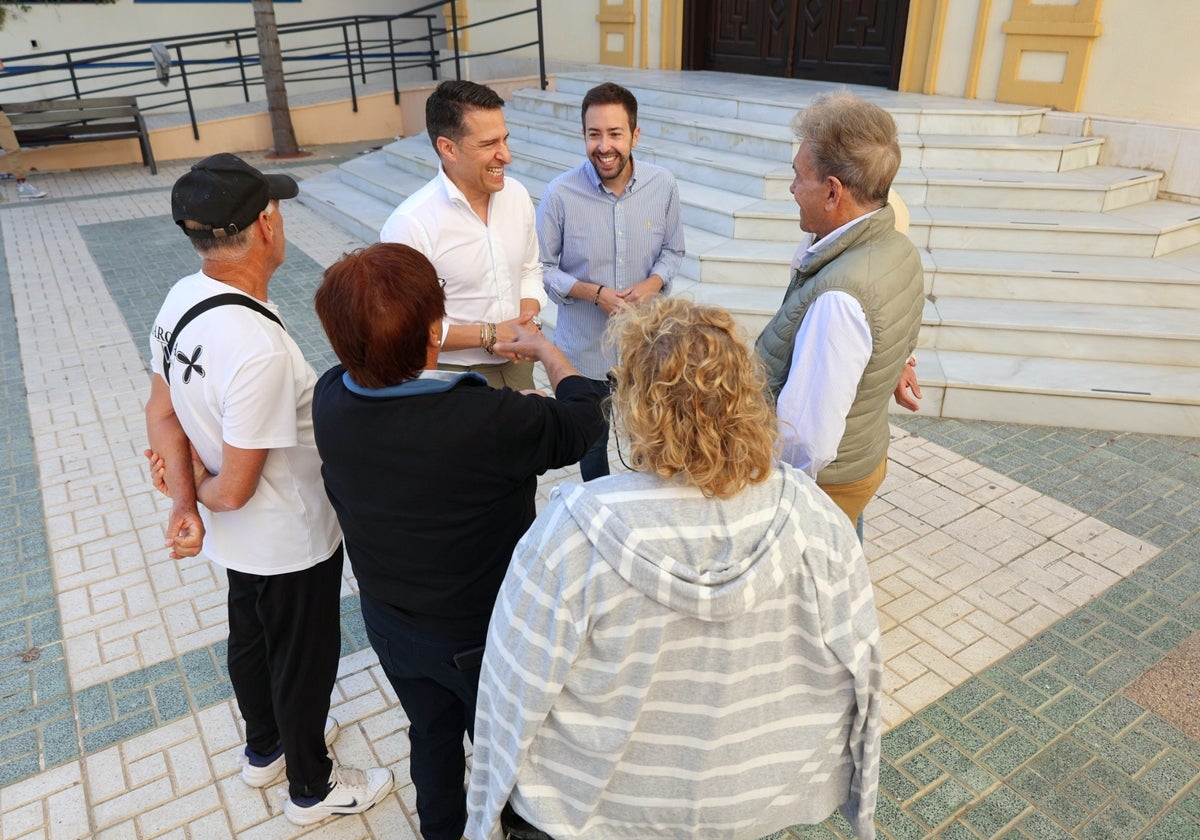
x=1144 y=65
x=69 y=25
x=81 y=25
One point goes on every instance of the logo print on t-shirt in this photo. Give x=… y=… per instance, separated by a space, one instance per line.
x=192 y=364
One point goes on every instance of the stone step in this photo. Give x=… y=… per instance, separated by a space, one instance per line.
x=559 y=142
x=1134 y=334
x=1150 y=229
x=1074 y=393
x=1066 y=278
x=772 y=142
x=378 y=176
x=346 y=206
x=1092 y=189
x=708 y=166
x=1026 y=153
x=775 y=141
x=1145 y=230
x=777 y=101
x=1162 y=336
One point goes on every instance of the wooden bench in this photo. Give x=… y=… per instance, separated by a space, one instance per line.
x=54 y=122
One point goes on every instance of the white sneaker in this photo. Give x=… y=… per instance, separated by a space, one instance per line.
x=260 y=770
x=28 y=190
x=351 y=791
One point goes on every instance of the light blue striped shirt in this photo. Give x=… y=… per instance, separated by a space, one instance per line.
x=587 y=233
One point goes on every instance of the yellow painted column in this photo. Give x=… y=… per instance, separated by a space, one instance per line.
x=671 y=51
x=459 y=19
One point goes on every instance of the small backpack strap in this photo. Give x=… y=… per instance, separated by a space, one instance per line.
x=226 y=299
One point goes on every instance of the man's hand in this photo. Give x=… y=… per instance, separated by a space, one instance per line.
x=531 y=345
x=158 y=469
x=510 y=333
x=185 y=531
x=639 y=293
x=908 y=390
x=520 y=340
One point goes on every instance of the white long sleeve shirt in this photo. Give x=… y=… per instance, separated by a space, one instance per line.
x=486 y=268
x=831 y=351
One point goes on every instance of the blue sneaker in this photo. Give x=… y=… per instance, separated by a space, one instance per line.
x=260 y=770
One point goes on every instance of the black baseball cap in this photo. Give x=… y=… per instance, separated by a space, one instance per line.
x=227 y=193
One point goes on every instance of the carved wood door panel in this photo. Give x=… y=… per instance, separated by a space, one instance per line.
x=853 y=41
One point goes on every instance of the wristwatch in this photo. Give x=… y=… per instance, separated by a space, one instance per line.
x=536 y=320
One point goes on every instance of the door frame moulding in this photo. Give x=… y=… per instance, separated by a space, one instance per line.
x=671 y=48
x=923 y=45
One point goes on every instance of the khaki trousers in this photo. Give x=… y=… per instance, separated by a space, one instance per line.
x=852 y=497
x=515 y=375
x=12 y=149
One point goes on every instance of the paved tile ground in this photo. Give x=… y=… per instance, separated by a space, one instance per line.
x=1030 y=581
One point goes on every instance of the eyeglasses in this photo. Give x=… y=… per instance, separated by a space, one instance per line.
x=611 y=379
x=442 y=282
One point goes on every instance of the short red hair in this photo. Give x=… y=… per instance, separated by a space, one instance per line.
x=376 y=305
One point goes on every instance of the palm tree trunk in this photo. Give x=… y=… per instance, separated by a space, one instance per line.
x=282 y=132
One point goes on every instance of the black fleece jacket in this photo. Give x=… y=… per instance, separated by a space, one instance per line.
x=434 y=490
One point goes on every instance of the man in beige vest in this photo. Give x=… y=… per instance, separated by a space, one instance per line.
x=14 y=159
x=848 y=324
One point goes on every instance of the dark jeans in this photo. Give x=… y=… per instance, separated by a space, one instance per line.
x=516 y=827
x=439 y=700
x=284 y=643
x=594 y=462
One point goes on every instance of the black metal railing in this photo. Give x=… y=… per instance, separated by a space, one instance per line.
x=354 y=48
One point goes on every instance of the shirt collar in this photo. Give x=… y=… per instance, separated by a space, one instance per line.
x=453 y=193
x=429 y=382
x=594 y=177
x=811 y=246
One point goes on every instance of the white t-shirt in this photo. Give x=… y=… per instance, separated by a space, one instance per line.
x=239 y=378
x=486 y=269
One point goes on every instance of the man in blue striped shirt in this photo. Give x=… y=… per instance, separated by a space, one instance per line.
x=610 y=236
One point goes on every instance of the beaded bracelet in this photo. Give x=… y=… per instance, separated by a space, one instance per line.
x=596 y=299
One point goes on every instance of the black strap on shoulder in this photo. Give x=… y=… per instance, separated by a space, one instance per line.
x=227 y=299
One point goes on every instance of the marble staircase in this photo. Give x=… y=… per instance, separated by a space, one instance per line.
x=1059 y=291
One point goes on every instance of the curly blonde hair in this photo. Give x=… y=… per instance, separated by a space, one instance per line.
x=691 y=397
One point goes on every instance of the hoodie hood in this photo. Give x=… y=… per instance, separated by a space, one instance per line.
x=713 y=559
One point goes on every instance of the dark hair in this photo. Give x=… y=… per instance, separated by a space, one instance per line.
x=445 y=107
x=610 y=93
x=376 y=305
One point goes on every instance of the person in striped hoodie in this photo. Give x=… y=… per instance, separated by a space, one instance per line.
x=689 y=649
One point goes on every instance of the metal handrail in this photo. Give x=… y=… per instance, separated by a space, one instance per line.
x=357 y=45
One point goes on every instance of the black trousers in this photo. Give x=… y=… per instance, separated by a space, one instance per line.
x=594 y=462
x=517 y=827
x=437 y=681
x=284 y=643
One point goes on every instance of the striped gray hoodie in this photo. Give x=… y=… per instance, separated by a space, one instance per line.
x=660 y=664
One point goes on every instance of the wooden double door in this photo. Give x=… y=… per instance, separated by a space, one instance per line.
x=851 y=41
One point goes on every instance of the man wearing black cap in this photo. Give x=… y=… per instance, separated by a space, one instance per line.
x=230 y=382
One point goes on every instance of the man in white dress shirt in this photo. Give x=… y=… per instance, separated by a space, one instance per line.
x=848 y=324
x=477 y=228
